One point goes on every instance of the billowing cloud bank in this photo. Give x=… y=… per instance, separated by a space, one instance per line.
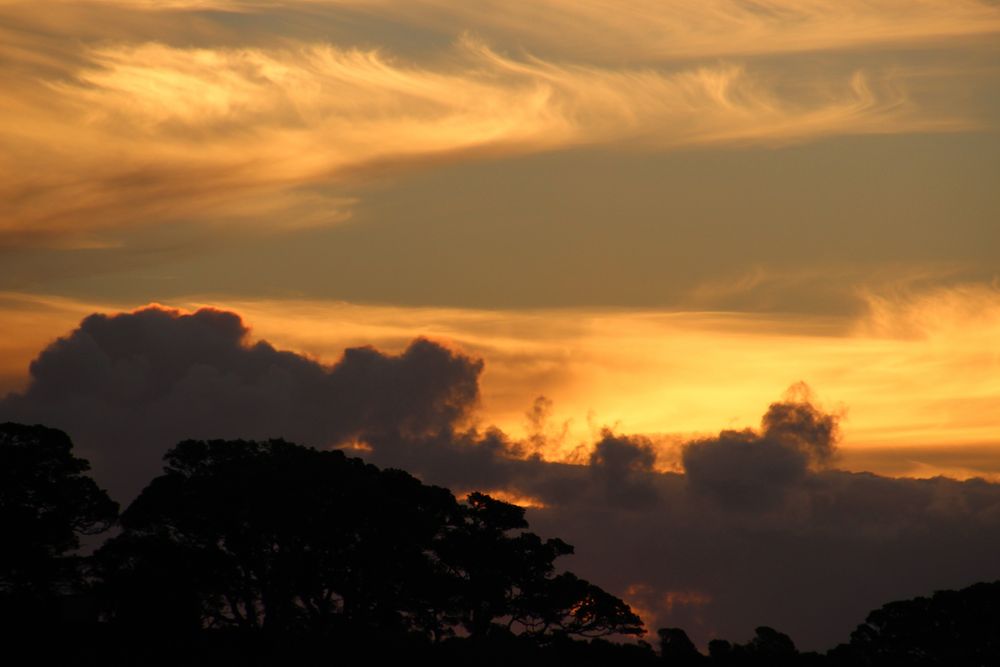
x=758 y=528
x=129 y=386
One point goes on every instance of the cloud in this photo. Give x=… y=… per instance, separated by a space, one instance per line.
x=750 y=469
x=623 y=454
x=647 y=28
x=743 y=469
x=692 y=28
x=756 y=527
x=129 y=386
x=759 y=529
x=619 y=462
x=127 y=128
x=917 y=368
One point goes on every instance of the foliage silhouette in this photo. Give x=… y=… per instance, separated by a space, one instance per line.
x=281 y=540
x=676 y=648
x=959 y=628
x=511 y=577
x=264 y=551
x=46 y=504
x=273 y=537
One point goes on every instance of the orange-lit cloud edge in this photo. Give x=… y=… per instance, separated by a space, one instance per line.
x=915 y=379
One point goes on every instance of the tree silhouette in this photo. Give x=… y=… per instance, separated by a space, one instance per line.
x=768 y=647
x=277 y=539
x=46 y=504
x=260 y=551
x=676 y=648
x=273 y=537
x=960 y=628
x=508 y=580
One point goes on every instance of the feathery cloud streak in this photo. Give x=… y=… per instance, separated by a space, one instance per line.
x=113 y=131
x=650 y=29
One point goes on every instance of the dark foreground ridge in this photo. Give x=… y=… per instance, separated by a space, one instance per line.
x=269 y=552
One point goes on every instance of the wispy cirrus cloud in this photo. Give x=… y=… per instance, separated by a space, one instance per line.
x=649 y=29
x=147 y=133
x=266 y=115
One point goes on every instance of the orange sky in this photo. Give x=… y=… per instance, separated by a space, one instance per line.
x=917 y=376
x=658 y=215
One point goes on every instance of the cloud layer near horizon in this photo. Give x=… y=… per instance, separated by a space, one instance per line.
x=913 y=373
x=757 y=527
x=131 y=385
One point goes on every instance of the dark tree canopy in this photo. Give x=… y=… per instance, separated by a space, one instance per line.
x=511 y=578
x=278 y=538
x=676 y=648
x=956 y=628
x=272 y=536
x=46 y=504
x=263 y=552
x=768 y=648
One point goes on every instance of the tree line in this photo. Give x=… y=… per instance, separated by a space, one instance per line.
x=266 y=551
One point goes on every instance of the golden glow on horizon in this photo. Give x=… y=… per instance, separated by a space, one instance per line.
x=655 y=607
x=505 y=496
x=916 y=372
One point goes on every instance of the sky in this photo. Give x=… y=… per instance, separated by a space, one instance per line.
x=587 y=242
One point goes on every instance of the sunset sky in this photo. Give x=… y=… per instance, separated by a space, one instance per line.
x=653 y=217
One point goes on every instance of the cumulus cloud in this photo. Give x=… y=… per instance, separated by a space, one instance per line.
x=759 y=527
x=621 y=462
x=751 y=469
x=129 y=386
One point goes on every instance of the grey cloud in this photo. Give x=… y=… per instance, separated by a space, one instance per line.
x=747 y=469
x=759 y=530
x=623 y=454
x=128 y=386
x=800 y=425
x=743 y=469
x=622 y=464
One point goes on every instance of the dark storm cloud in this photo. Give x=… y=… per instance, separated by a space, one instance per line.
x=741 y=469
x=620 y=454
x=127 y=387
x=750 y=469
x=760 y=529
x=621 y=464
x=799 y=425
